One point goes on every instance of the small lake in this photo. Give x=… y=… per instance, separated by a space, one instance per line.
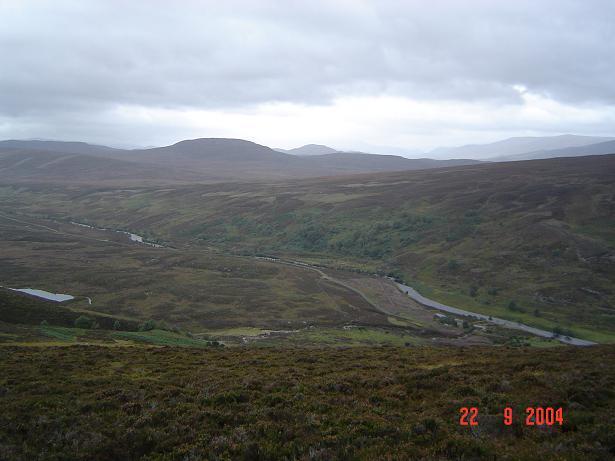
x=58 y=297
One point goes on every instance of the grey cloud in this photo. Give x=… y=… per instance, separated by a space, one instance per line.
x=199 y=54
x=76 y=56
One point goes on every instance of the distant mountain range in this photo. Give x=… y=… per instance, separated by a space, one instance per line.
x=520 y=148
x=600 y=148
x=205 y=159
x=221 y=159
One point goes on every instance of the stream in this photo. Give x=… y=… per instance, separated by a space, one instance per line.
x=132 y=237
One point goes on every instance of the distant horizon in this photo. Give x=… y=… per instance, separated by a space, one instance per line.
x=386 y=150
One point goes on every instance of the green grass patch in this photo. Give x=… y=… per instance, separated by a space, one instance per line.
x=354 y=336
x=239 y=331
x=161 y=338
x=62 y=333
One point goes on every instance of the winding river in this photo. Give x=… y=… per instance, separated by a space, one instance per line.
x=416 y=296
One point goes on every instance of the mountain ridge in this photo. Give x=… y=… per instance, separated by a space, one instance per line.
x=201 y=159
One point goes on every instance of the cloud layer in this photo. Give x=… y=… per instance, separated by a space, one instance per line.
x=352 y=73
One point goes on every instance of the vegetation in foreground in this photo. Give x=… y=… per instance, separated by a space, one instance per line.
x=100 y=403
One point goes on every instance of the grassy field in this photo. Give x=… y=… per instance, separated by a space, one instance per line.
x=97 y=403
x=525 y=240
x=52 y=335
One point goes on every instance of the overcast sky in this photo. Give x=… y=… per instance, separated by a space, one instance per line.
x=387 y=76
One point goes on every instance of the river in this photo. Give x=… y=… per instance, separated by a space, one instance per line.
x=416 y=296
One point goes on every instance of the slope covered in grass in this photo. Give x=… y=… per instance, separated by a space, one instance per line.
x=19 y=308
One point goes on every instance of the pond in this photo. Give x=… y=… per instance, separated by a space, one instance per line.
x=58 y=297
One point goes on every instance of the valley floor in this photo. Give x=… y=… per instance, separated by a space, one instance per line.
x=216 y=297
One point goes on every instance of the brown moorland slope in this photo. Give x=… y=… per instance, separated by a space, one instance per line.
x=100 y=403
x=530 y=240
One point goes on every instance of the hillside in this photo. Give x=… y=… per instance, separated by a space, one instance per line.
x=532 y=241
x=192 y=288
x=18 y=165
x=217 y=159
x=518 y=146
x=309 y=149
x=22 y=309
x=216 y=149
x=66 y=147
x=318 y=404
x=355 y=163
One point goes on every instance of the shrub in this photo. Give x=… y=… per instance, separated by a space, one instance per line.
x=148 y=325
x=512 y=305
x=453 y=264
x=83 y=322
x=448 y=321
